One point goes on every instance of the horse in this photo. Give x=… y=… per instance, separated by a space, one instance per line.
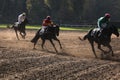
x=50 y=34
x=20 y=27
x=101 y=37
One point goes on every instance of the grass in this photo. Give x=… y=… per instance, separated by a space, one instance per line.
x=3 y=26
x=61 y=28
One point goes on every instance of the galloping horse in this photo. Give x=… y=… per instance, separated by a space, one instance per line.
x=51 y=33
x=101 y=38
x=20 y=27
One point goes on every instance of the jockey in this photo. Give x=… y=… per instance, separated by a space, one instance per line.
x=46 y=23
x=103 y=21
x=21 y=18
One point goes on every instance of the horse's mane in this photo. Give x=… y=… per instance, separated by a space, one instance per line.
x=109 y=28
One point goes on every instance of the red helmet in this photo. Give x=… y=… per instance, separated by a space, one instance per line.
x=48 y=17
x=107 y=15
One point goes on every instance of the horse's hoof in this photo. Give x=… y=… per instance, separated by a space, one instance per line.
x=23 y=37
x=34 y=48
x=32 y=41
x=96 y=57
x=113 y=55
x=105 y=55
x=56 y=51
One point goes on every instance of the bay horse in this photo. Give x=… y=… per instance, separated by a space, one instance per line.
x=20 y=27
x=101 y=37
x=50 y=34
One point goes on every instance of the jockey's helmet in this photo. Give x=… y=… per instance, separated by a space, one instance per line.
x=24 y=14
x=107 y=15
x=48 y=17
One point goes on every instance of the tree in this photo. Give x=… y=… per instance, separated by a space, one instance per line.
x=65 y=11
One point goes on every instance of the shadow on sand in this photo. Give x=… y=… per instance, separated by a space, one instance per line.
x=116 y=57
x=61 y=52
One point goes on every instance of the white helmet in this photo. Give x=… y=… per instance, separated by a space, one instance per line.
x=24 y=14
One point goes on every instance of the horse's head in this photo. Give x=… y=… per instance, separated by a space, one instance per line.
x=111 y=29
x=115 y=30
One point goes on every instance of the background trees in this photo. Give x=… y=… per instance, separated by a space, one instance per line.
x=61 y=11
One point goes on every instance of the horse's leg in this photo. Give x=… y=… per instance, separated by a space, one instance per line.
x=92 y=45
x=34 y=44
x=99 y=47
x=110 y=49
x=21 y=34
x=43 y=42
x=24 y=34
x=58 y=42
x=35 y=39
x=16 y=34
x=53 y=45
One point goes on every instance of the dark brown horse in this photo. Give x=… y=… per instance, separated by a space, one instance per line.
x=50 y=34
x=103 y=38
x=20 y=27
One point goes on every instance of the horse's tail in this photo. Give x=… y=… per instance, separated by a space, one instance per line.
x=84 y=38
x=36 y=37
x=9 y=27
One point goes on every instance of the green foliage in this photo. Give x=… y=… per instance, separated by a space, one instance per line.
x=62 y=11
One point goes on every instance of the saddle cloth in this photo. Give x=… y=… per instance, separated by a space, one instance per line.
x=96 y=32
x=16 y=24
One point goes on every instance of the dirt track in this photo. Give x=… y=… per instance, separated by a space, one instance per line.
x=18 y=61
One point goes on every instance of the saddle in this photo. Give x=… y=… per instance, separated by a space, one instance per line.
x=96 y=32
x=43 y=31
x=16 y=24
x=48 y=30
